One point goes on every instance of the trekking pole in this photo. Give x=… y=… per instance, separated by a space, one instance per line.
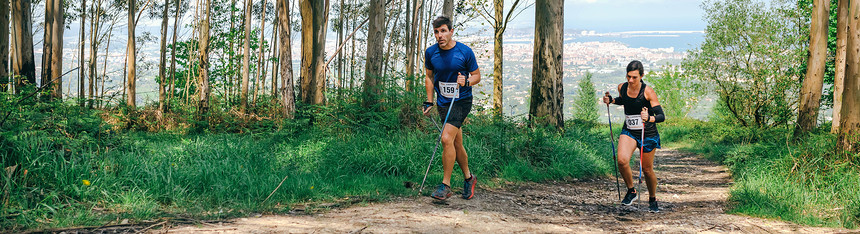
x=439 y=140
x=614 y=154
x=641 y=152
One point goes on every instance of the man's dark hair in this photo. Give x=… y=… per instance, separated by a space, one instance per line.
x=636 y=65
x=442 y=20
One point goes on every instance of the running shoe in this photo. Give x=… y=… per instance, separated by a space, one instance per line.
x=442 y=192
x=652 y=206
x=469 y=187
x=631 y=195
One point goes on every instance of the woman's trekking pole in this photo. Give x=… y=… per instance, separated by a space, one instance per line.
x=614 y=154
x=439 y=140
x=641 y=152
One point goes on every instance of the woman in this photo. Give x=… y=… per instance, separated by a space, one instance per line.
x=643 y=112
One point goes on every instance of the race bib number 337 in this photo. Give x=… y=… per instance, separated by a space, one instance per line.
x=634 y=122
x=449 y=89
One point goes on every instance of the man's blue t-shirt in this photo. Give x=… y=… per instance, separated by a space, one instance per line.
x=446 y=65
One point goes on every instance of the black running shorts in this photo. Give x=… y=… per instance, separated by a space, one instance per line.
x=459 y=112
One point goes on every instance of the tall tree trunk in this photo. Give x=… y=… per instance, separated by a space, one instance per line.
x=47 y=40
x=104 y=65
x=849 y=134
x=839 y=79
x=57 y=50
x=274 y=54
x=339 y=75
x=203 y=104
x=131 y=56
x=23 y=40
x=547 y=94
x=411 y=24
x=314 y=22
x=4 y=48
x=246 y=59
x=172 y=88
x=261 y=78
x=162 y=63
x=448 y=9
x=94 y=29
x=81 y=71
x=810 y=92
x=375 y=41
x=498 y=59
x=232 y=79
x=288 y=97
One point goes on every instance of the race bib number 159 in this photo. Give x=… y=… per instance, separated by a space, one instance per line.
x=449 y=89
x=634 y=122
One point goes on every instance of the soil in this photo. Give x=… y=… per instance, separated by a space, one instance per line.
x=692 y=192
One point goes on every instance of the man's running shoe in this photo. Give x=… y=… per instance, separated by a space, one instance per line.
x=631 y=195
x=652 y=206
x=469 y=187
x=442 y=192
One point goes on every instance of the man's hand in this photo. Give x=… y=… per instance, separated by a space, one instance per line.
x=427 y=106
x=606 y=98
x=644 y=114
x=461 y=79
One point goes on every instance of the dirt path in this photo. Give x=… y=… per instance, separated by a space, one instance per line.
x=692 y=192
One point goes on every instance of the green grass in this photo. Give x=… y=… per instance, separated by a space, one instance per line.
x=143 y=175
x=805 y=181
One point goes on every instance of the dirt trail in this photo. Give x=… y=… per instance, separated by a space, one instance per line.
x=692 y=192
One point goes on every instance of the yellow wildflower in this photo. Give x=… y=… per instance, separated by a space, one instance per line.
x=86 y=182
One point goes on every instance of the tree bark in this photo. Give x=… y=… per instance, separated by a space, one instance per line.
x=849 y=134
x=274 y=54
x=547 y=74
x=288 y=97
x=246 y=59
x=47 y=41
x=375 y=41
x=94 y=29
x=203 y=104
x=314 y=22
x=232 y=79
x=58 y=27
x=810 y=92
x=172 y=89
x=162 y=63
x=839 y=78
x=448 y=9
x=498 y=53
x=260 y=54
x=23 y=40
x=4 y=48
x=131 y=56
x=81 y=71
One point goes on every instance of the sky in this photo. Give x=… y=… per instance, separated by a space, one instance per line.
x=624 y=15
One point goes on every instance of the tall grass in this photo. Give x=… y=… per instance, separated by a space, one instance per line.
x=806 y=181
x=66 y=176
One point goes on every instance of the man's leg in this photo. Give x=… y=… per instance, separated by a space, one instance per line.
x=449 y=152
x=462 y=157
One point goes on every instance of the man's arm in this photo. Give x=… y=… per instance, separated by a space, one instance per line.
x=428 y=84
x=474 y=77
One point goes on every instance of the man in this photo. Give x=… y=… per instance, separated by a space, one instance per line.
x=451 y=70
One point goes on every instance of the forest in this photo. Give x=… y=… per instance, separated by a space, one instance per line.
x=285 y=107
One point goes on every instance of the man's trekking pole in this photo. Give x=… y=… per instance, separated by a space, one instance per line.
x=439 y=140
x=614 y=154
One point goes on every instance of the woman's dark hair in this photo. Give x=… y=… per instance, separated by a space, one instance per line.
x=636 y=65
x=442 y=20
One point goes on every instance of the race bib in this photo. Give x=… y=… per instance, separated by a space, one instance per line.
x=634 y=122
x=449 y=89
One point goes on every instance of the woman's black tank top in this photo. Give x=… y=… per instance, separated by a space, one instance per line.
x=633 y=106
